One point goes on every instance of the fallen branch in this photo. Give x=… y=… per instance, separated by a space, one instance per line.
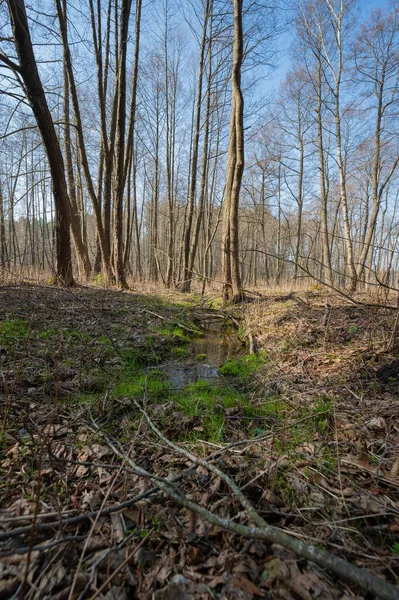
x=344 y=569
x=325 y=283
x=172 y=321
x=212 y=468
x=87 y=516
x=43 y=547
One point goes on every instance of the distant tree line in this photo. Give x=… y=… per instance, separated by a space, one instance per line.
x=143 y=142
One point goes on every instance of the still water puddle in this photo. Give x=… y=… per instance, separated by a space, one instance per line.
x=206 y=354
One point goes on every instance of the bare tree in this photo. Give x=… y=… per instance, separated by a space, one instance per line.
x=376 y=57
x=326 y=21
x=187 y=275
x=28 y=75
x=120 y=176
x=235 y=167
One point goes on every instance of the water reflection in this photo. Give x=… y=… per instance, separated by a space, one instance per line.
x=205 y=355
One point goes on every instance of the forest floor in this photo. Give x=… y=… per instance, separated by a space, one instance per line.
x=307 y=427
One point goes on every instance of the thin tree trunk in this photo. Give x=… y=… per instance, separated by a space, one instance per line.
x=80 y=245
x=34 y=91
x=323 y=190
x=3 y=242
x=205 y=155
x=82 y=147
x=299 y=195
x=235 y=168
x=120 y=146
x=187 y=275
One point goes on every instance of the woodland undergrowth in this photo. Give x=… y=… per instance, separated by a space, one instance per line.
x=114 y=484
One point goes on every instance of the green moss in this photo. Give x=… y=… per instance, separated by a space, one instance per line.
x=200 y=396
x=272 y=408
x=216 y=302
x=127 y=388
x=13 y=330
x=153 y=384
x=135 y=359
x=214 y=428
x=241 y=333
x=176 y=333
x=353 y=329
x=200 y=399
x=328 y=459
x=47 y=334
x=87 y=399
x=201 y=357
x=243 y=367
x=179 y=351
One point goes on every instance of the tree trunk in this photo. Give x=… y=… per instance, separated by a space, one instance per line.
x=205 y=157
x=187 y=274
x=80 y=245
x=37 y=99
x=79 y=129
x=120 y=147
x=323 y=189
x=340 y=162
x=3 y=242
x=299 y=196
x=235 y=168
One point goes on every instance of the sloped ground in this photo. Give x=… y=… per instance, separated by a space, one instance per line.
x=314 y=418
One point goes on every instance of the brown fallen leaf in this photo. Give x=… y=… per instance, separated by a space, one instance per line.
x=247 y=586
x=346 y=492
x=92 y=499
x=81 y=471
x=308 y=447
x=14 y=450
x=100 y=451
x=377 y=424
x=177 y=589
x=394 y=473
x=103 y=475
x=274 y=569
x=117 y=527
x=271 y=498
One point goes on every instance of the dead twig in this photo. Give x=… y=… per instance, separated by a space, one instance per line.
x=364 y=579
x=172 y=321
x=118 y=569
x=212 y=468
x=43 y=547
x=54 y=525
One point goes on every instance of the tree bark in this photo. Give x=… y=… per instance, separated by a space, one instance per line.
x=205 y=154
x=3 y=242
x=323 y=188
x=82 y=147
x=120 y=147
x=187 y=274
x=84 y=265
x=37 y=100
x=235 y=167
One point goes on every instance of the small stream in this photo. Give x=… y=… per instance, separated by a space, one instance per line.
x=206 y=355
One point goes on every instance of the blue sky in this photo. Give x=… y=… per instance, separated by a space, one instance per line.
x=276 y=78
